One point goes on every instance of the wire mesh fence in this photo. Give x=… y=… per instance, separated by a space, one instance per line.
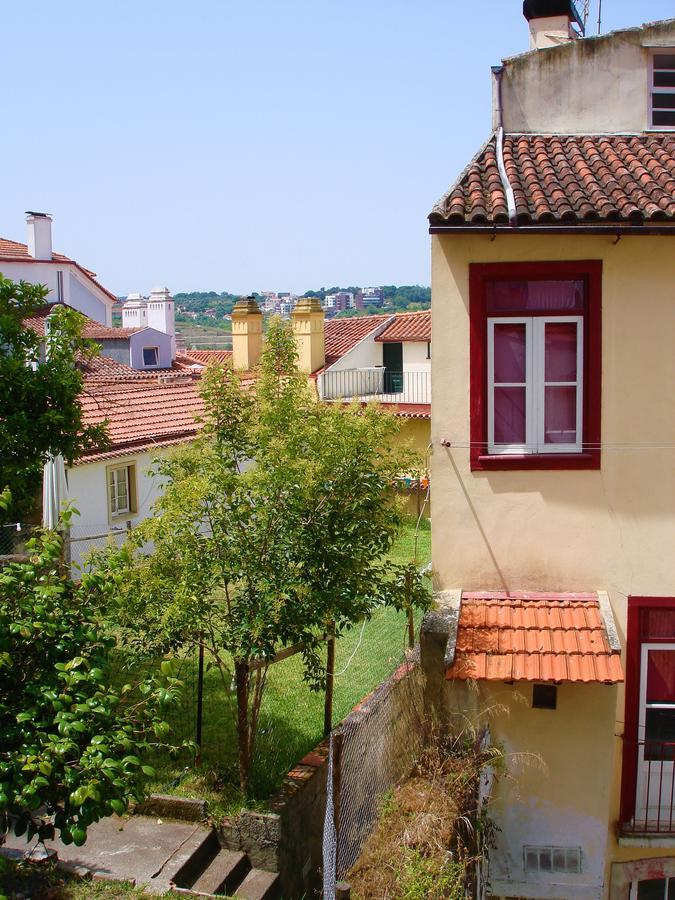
x=13 y=538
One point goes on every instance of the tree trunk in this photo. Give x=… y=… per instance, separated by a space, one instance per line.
x=243 y=734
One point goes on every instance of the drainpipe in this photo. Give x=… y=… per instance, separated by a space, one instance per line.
x=498 y=72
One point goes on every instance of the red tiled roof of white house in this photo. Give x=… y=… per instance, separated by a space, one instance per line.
x=412 y=327
x=14 y=251
x=342 y=335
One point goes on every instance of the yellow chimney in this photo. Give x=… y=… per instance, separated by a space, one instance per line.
x=308 y=329
x=246 y=334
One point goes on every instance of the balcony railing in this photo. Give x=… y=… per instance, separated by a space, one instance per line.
x=655 y=788
x=376 y=383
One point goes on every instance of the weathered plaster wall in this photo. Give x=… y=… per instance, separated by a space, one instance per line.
x=595 y=85
x=612 y=529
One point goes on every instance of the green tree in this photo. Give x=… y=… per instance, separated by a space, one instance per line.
x=71 y=743
x=249 y=559
x=39 y=409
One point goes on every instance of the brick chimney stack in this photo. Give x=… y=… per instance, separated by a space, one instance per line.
x=247 y=334
x=308 y=329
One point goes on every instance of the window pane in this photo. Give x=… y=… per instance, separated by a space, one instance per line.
x=150 y=356
x=657 y=624
x=664 y=79
x=509 y=415
x=660 y=735
x=560 y=348
x=654 y=889
x=663 y=101
x=560 y=415
x=535 y=296
x=663 y=119
x=671 y=889
x=664 y=60
x=661 y=676
x=509 y=361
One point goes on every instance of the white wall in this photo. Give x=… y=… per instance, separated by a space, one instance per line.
x=88 y=491
x=78 y=291
x=415 y=357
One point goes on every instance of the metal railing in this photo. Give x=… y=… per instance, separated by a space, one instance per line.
x=655 y=788
x=376 y=383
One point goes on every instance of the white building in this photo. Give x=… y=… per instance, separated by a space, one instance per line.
x=67 y=281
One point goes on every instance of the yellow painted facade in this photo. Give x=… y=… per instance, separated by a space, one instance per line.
x=611 y=530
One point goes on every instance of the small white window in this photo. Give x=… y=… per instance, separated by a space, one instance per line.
x=552 y=860
x=535 y=384
x=662 y=89
x=119 y=491
x=59 y=287
x=150 y=357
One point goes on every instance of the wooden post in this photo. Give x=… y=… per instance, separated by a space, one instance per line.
x=343 y=891
x=337 y=789
x=411 y=616
x=330 y=679
x=200 y=703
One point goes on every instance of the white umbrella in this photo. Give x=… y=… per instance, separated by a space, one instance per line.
x=54 y=491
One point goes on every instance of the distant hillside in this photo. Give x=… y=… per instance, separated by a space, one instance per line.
x=207 y=308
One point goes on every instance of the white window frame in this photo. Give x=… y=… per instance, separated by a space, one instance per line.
x=653 y=68
x=535 y=386
x=153 y=365
x=635 y=884
x=115 y=475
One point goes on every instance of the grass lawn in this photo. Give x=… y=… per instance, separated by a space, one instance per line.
x=35 y=882
x=291 y=721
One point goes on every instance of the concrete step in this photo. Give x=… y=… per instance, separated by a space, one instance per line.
x=191 y=860
x=225 y=871
x=259 y=885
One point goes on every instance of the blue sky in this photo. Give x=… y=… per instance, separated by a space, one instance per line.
x=256 y=145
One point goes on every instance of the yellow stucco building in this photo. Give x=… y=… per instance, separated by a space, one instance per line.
x=553 y=298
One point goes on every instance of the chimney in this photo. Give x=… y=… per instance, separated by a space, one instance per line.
x=135 y=312
x=551 y=22
x=39 y=234
x=246 y=334
x=161 y=314
x=308 y=329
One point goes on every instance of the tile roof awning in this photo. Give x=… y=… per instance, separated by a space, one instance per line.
x=522 y=636
x=566 y=180
x=408 y=327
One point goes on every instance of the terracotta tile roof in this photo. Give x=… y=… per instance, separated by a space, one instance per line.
x=410 y=410
x=533 y=637
x=567 y=180
x=342 y=335
x=17 y=252
x=414 y=326
x=203 y=357
x=142 y=414
x=92 y=329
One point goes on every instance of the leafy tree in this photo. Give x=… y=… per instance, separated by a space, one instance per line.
x=249 y=559
x=39 y=410
x=71 y=743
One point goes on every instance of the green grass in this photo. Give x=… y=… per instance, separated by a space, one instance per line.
x=291 y=720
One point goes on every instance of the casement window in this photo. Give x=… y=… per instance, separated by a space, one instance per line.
x=121 y=490
x=662 y=89
x=648 y=778
x=150 y=357
x=59 y=287
x=535 y=365
x=653 y=889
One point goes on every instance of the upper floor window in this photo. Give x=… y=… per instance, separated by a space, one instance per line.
x=150 y=357
x=535 y=365
x=121 y=490
x=662 y=90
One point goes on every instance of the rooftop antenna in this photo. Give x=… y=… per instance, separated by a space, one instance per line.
x=585 y=14
x=599 y=16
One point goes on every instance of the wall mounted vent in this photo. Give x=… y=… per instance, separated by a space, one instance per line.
x=552 y=860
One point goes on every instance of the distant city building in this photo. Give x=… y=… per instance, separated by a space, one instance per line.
x=338 y=302
x=369 y=296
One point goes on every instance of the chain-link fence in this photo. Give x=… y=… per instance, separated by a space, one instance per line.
x=371 y=751
x=82 y=540
x=13 y=538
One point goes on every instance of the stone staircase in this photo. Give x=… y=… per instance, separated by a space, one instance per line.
x=212 y=871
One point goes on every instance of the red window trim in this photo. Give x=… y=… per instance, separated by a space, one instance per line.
x=479 y=273
x=632 y=708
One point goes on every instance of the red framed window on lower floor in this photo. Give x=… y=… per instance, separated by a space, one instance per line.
x=536 y=365
x=648 y=770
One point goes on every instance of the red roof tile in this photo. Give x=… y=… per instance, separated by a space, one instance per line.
x=414 y=326
x=92 y=329
x=342 y=335
x=567 y=180
x=142 y=414
x=533 y=637
x=203 y=357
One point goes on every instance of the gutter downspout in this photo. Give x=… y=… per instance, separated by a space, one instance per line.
x=498 y=72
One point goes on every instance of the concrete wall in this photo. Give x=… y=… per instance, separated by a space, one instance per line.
x=82 y=297
x=612 y=529
x=415 y=357
x=596 y=85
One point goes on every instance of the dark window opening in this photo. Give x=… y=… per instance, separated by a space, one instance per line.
x=150 y=356
x=544 y=696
